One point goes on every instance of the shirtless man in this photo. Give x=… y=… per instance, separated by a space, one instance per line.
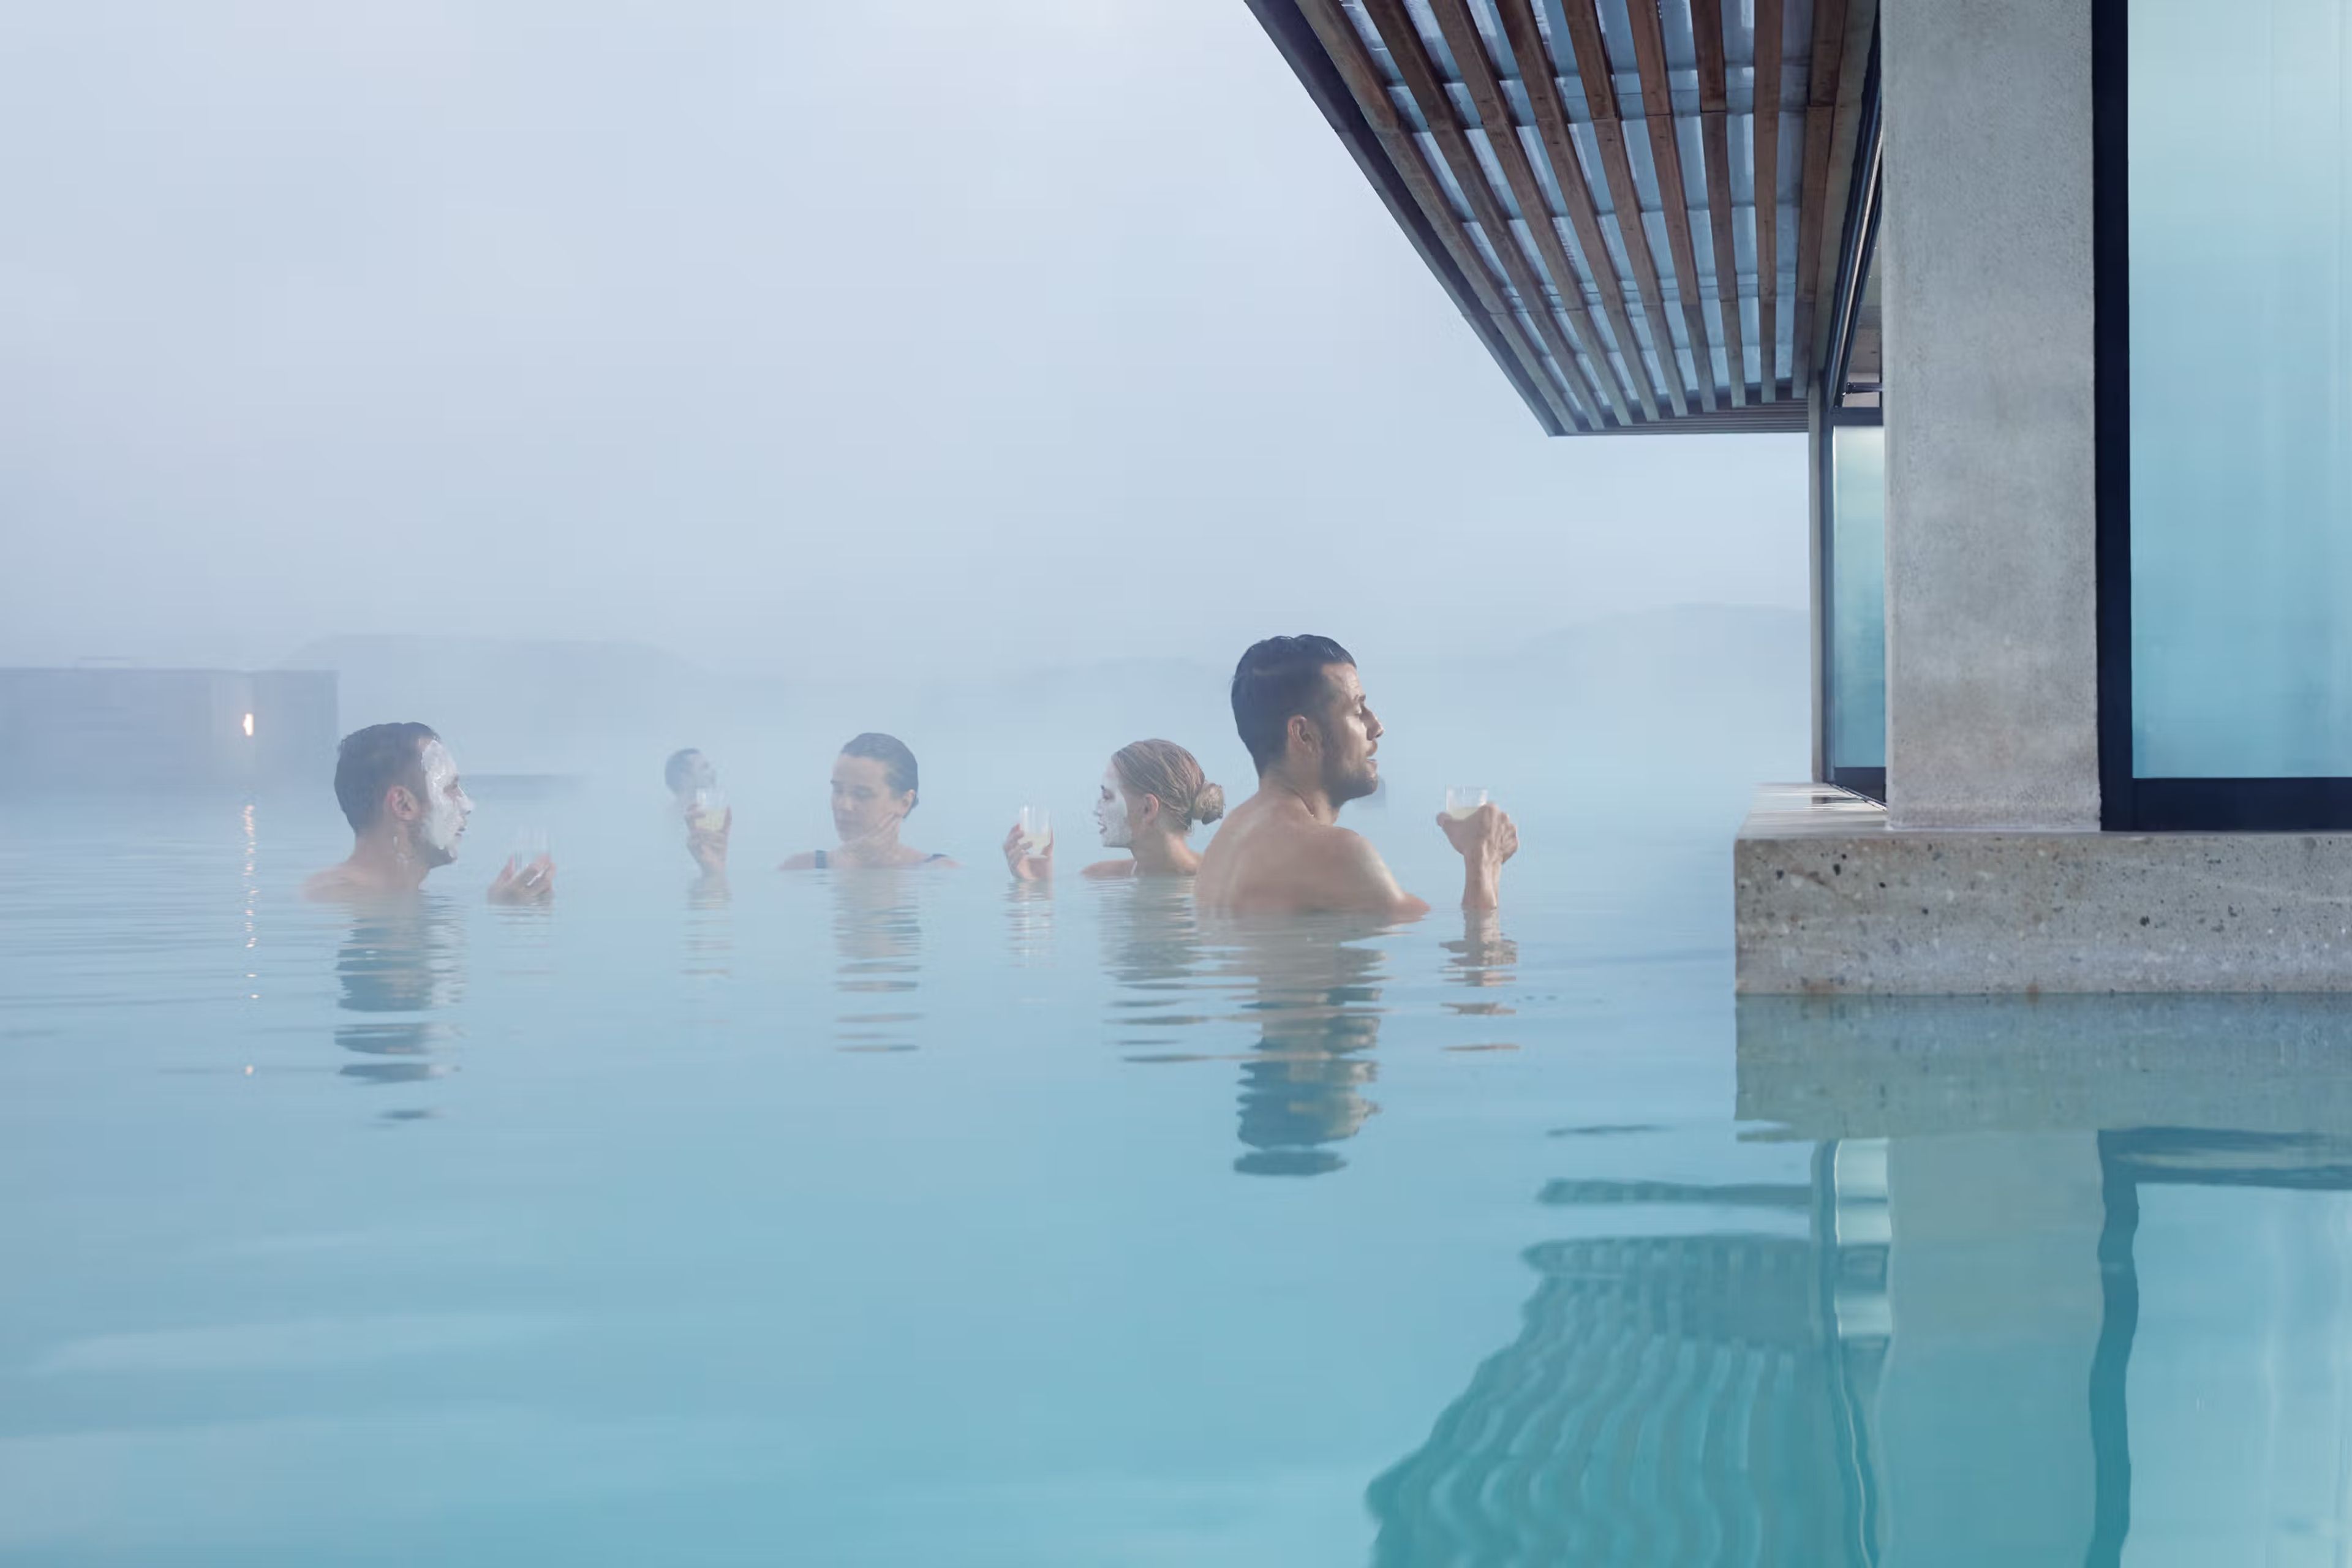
x=398 y=786
x=1301 y=711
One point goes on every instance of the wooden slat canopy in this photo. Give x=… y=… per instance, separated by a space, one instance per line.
x=1634 y=202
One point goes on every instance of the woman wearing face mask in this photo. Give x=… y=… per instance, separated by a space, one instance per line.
x=875 y=783
x=1153 y=794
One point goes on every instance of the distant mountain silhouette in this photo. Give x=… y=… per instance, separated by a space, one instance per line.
x=1618 y=694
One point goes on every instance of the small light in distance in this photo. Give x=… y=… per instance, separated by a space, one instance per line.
x=248 y=726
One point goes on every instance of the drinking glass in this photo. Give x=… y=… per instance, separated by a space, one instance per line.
x=529 y=846
x=709 y=809
x=1036 y=830
x=1461 y=802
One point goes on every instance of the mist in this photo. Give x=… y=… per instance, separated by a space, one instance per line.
x=902 y=352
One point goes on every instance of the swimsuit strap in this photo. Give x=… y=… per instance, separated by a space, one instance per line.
x=928 y=858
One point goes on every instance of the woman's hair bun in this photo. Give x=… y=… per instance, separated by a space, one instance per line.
x=1166 y=770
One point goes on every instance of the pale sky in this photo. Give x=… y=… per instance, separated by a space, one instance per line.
x=896 y=332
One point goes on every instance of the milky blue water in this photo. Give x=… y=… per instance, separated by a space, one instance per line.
x=918 y=1219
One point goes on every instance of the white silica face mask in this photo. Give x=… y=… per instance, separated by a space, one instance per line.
x=1110 y=814
x=446 y=810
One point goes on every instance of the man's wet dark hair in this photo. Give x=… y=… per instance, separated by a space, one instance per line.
x=370 y=762
x=674 y=770
x=1277 y=679
x=898 y=762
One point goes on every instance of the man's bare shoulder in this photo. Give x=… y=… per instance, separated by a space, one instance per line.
x=342 y=883
x=335 y=882
x=1341 y=863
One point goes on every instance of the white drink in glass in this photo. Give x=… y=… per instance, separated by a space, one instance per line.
x=1461 y=802
x=1036 y=830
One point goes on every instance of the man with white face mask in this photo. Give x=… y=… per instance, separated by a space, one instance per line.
x=399 y=789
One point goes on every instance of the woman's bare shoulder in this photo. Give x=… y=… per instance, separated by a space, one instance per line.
x=1106 y=870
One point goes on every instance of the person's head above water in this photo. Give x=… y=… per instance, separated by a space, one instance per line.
x=399 y=783
x=1300 y=710
x=398 y=786
x=1154 y=786
x=875 y=784
x=687 y=770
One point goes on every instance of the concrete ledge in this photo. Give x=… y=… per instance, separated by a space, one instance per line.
x=1828 y=899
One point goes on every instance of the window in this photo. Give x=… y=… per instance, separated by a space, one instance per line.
x=2226 y=464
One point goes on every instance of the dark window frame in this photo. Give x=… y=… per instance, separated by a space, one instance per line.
x=2130 y=802
x=1857 y=250
x=1869 y=781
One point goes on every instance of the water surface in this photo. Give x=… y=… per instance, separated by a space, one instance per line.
x=898 y=1220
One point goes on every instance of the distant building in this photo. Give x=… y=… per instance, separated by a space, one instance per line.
x=2071 y=364
x=157 y=728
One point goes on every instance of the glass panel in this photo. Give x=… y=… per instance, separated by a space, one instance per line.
x=1857 y=717
x=2240 y=195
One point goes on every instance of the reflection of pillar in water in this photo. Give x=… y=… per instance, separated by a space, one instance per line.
x=1984 y=1403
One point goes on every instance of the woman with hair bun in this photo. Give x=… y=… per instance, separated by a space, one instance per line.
x=875 y=785
x=1153 y=794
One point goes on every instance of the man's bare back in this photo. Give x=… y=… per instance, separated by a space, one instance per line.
x=1274 y=856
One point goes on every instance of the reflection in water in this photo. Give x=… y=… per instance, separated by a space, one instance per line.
x=1029 y=922
x=408 y=958
x=252 y=899
x=1483 y=959
x=1152 y=950
x=1315 y=990
x=878 y=931
x=710 y=929
x=1669 y=1399
x=2039 y=1311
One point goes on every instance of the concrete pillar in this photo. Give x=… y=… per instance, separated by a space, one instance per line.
x=1993 y=677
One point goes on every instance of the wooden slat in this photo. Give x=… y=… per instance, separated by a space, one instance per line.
x=1845 y=132
x=1757 y=418
x=1821 y=116
x=1428 y=89
x=1666 y=157
x=1354 y=63
x=1478 y=73
x=1715 y=137
x=1295 y=40
x=1608 y=129
x=1535 y=68
x=1768 y=193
